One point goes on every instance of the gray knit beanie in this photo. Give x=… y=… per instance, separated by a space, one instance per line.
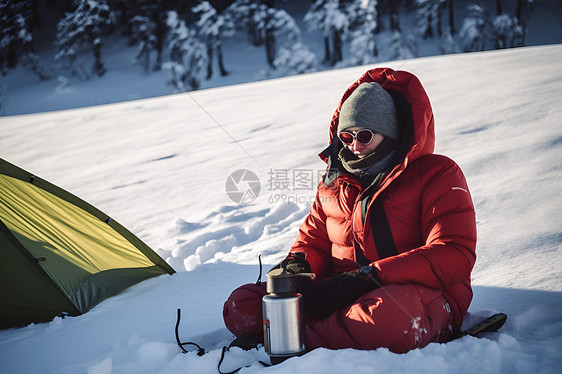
x=370 y=107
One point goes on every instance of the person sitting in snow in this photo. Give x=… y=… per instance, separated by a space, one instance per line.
x=391 y=235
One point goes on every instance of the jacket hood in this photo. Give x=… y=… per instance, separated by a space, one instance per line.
x=413 y=107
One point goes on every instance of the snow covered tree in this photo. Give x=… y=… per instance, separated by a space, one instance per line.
x=523 y=13
x=15 y=35
x=213 y=29
x=31 y=62
x=507 y=31
x=275 y=24
x=145 y=40
x=430 y=16
x=268 y=25
x=473 y=29
x=362 y=16
x=147 y=30
x=392 y=6
x=294 y=59
x=448 y=43
x=403 y=47
x=81 y=31
x=243 y=14
x=188 y=55
x=327 y=17
x=451 y=17
x=315 y=19
x=501 y=30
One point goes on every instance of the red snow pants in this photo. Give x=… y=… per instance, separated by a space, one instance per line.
x=398 y=317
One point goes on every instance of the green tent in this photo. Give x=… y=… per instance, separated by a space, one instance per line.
x=58 y=254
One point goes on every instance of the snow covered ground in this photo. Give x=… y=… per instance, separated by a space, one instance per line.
x=159 y=166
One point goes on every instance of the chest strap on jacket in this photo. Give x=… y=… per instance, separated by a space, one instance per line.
x=380 y=227
x=382 y=235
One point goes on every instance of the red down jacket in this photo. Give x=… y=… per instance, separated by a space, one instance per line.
x=426 y=200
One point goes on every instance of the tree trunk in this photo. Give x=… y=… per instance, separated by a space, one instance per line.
x=451 y=18
x=379 y=26
x=253 y=34
x=161 y=32
x=210 y=61
x=519 y=11
x=2 y=70
x=222 y=69
x=394 y=16
x=35 y=19
x=337 y=54
x=519 y=15
x=429 y=28
x=327 y=54
x=499 y=7
x=99 y=69
x=270 y=48
x=12 y=55
x=439 y=20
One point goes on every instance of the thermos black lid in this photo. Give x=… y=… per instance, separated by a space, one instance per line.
x=281 y=282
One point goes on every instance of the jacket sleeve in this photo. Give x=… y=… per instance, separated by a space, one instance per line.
x=313 y=239
x=448 y=229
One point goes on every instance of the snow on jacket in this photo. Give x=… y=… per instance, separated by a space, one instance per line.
x=425 y=198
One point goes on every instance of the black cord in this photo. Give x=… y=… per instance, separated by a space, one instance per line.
x=224 y=349
x=259 y=276
x=200 y=351
x=240 y=343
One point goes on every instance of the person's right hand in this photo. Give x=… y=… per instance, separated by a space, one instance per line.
x=296 y=264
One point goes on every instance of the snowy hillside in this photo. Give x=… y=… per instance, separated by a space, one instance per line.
x=160 y=167
x=22 y=92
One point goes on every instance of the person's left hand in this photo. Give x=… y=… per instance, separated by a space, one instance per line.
x=325 y=297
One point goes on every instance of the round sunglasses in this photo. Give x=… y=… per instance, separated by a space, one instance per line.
x=362 y=136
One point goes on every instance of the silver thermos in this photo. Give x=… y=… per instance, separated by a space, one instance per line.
x=283 y=322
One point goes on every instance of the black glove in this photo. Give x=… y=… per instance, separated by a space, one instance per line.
x=296 y=263
x=335 y=293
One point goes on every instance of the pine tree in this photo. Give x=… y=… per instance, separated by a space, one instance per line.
x=293 y=59
x=145 y=40
x=403 y=47
x=523 y=13
x=243 y=14
x=147 y=30
x=327 y=17
x=452 y=29
x=277 y=24
x=269 y=25
x=362 y=17
x=81 y=31
x=15 y=35
x=213 y=28
x=448 y=43
x=188 y=55
x=315 y=19
x=507 y=31
x=394 y=15
x=430 y=16
x=32 y=63
x=473 y=30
